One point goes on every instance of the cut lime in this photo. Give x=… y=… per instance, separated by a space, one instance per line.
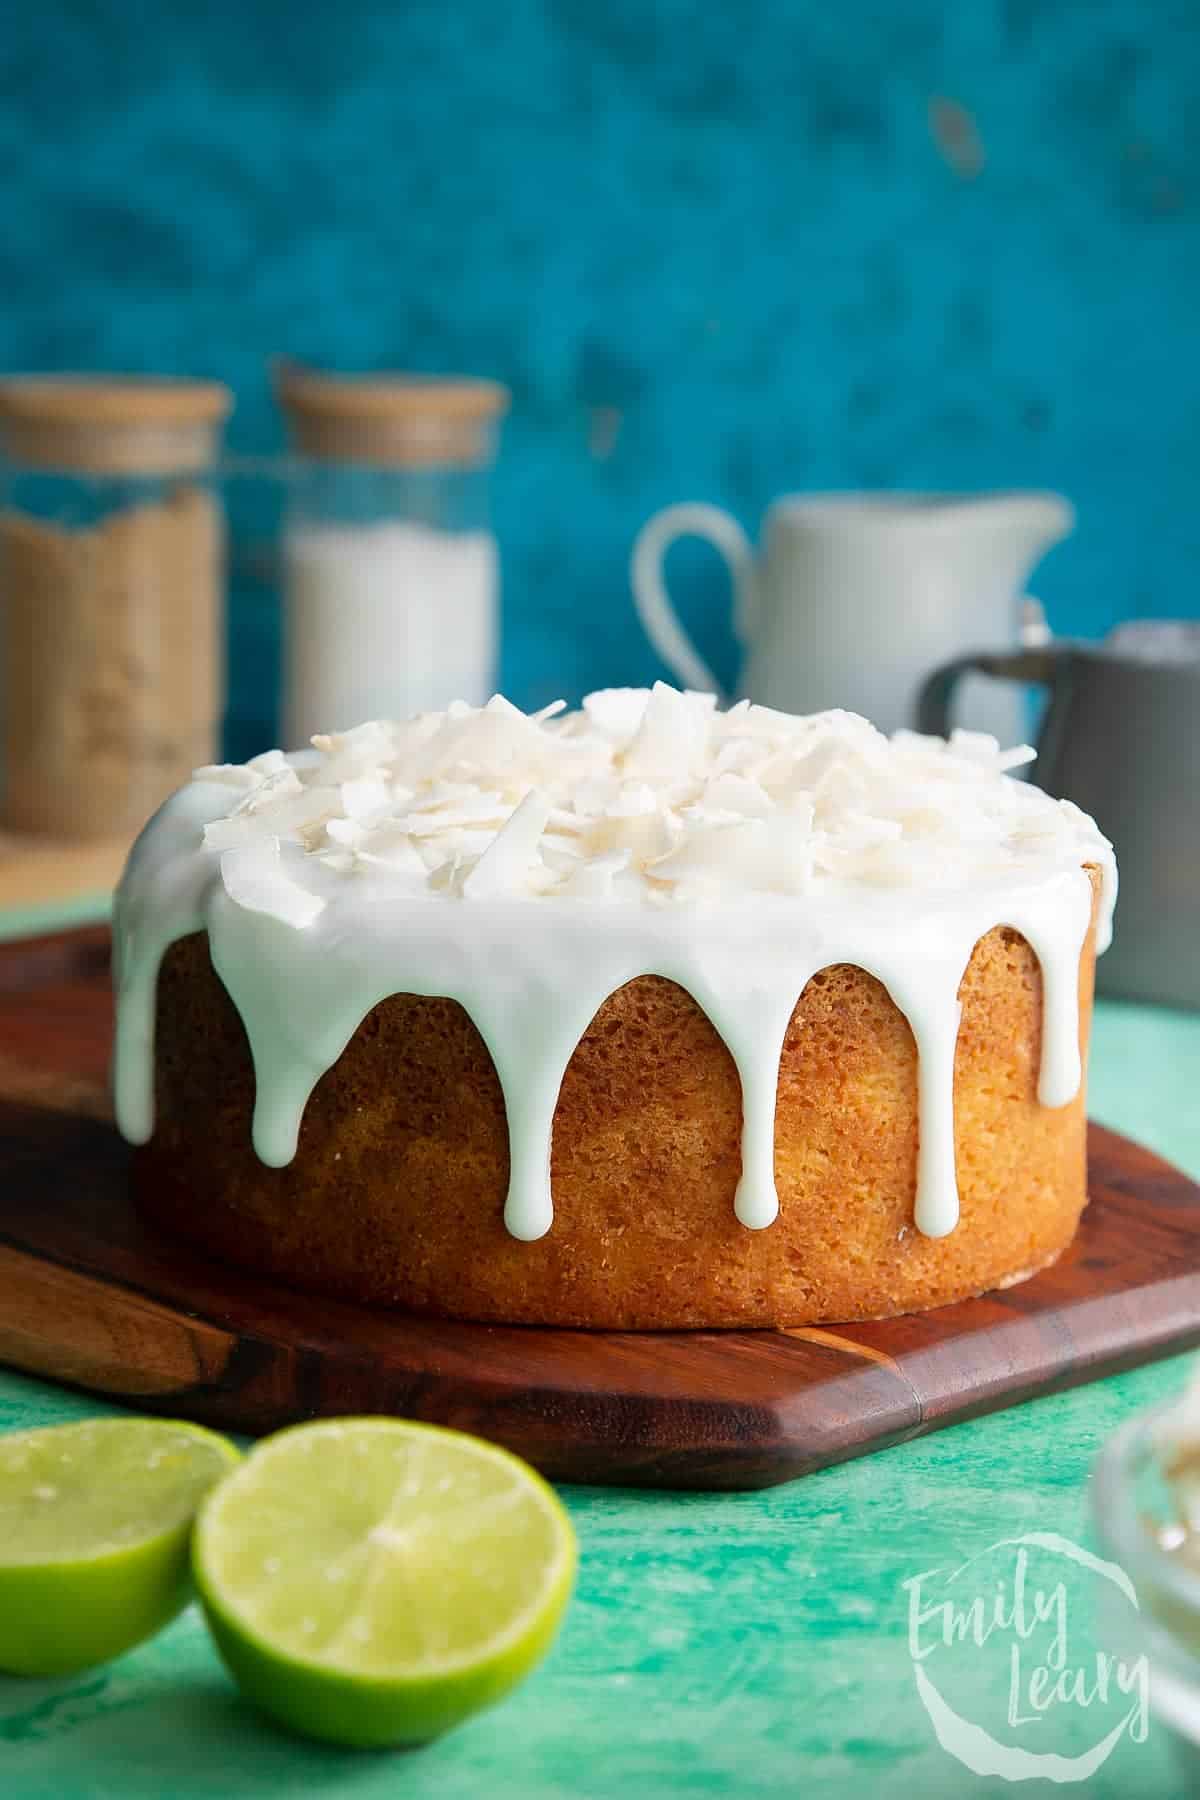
x=94 y=1526
x=373 y=1581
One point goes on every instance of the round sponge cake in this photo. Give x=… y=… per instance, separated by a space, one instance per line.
x=648 y=1016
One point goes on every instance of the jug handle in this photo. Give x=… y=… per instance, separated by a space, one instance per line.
x=1043 y=665
x=659 y=619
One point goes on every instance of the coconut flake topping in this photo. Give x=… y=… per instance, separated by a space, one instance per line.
x=645 y=796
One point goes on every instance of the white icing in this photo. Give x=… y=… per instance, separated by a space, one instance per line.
x=528 y=867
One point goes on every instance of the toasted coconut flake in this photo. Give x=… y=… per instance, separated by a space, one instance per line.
x=643 y=796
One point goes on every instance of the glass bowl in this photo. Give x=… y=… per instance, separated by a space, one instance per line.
x=1132 y=1502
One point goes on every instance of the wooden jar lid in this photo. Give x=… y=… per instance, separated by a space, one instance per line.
x=111 y=424
x=405 y=420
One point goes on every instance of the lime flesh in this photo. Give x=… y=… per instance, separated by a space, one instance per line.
x=95 y=1520
x=375 y=1581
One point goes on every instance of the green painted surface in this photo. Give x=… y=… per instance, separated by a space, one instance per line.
x=30 y=921
x=736 y=1645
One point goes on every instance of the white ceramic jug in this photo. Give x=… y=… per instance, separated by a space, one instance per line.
x=855 y=598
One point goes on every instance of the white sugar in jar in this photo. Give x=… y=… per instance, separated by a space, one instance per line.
x=391 y=574
x=384 y=621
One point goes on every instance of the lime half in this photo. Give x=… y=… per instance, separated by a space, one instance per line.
x=94 y=1526
x=373 y=1581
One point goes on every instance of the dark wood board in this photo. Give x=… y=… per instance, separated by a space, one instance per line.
x=89 y=1295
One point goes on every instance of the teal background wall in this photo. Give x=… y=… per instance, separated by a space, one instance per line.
x=717 y=251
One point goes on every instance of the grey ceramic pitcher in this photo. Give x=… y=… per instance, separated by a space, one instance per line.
x=1121 y=738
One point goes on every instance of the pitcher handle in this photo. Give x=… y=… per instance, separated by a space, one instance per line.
x=1041 y=665
x=659 y=619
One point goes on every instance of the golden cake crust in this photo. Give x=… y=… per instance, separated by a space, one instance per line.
x=396 y=1193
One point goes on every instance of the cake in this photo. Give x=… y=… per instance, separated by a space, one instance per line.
x=649 y=1015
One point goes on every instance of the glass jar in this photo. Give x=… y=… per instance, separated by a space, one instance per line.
x=391 y=582
x=111 y=599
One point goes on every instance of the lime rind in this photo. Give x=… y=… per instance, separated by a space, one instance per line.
x=365 y=1713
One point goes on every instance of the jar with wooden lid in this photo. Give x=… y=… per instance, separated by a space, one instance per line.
x=391 y=584
x=111 y=598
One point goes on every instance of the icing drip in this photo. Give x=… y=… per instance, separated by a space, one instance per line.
x=528 y=868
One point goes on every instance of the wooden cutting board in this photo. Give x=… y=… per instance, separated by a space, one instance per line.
x=89 y=1295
